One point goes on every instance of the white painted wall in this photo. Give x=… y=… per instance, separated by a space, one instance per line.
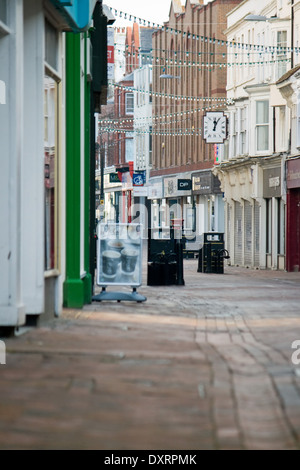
x=32 y=188
x=12 y=311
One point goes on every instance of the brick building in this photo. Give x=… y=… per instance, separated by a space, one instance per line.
x=189 y=78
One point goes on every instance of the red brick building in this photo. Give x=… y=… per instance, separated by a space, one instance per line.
x=189 y=77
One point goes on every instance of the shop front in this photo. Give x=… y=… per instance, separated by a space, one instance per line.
x=293 y=215
x=178 y=201
x=155 y=199
x=275 y=218
x=244 y=209
x=208 y=202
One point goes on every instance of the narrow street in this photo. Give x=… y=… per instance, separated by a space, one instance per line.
x=207 y=365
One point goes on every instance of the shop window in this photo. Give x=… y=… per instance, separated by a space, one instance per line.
x=129 y=147
x=50 y=155
x=262 y=125
x=129 y=103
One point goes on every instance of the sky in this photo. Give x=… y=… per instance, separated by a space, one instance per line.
x=156 y=11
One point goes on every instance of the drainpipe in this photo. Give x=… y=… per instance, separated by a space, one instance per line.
x=274 y=129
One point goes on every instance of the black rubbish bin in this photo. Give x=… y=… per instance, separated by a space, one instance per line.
x=212 y=254
x=165 y=261
x=162 y=271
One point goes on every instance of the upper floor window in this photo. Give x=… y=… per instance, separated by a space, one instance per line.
x=243 y=131
x=262 y=125
x=281 y=53
x=129 y=103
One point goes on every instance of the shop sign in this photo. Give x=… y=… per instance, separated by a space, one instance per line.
x=293 y=173
x=126 y=181
x=174 y=187
x=184 y=185
x=202 y=183
x=139 y=179
x=170 y=187
x=114 y=178
x=272 y=182
x=155 y=190
x=140 y=191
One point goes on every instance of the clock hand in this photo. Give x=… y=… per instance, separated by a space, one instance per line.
x=216 y=123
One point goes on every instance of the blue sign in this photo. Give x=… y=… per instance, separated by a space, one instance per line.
x=78 y=13
x=139 y=179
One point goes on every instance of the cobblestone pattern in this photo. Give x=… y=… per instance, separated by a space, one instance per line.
x=201 y=366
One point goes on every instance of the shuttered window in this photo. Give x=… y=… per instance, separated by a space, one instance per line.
x=256 y=234
x=238 y=255
x=248 y=233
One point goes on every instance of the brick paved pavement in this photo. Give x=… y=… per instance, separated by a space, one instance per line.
x=201 y=366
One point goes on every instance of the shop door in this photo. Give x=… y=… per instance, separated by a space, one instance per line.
x=293 y=228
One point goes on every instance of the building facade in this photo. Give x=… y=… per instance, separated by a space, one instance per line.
x=253 y=173
x=289 y=88
x=41 y=44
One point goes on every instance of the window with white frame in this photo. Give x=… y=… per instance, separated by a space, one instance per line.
x=243 y=131
x=129 y=103
x=281 y=53
x=129 y=147
x=262 y=125
x=234 y=133
x=282 y=135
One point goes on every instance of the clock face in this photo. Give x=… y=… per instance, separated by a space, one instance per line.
x=214 y=127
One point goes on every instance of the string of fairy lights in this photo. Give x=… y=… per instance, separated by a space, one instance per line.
x=206 y=39
x=236 y=54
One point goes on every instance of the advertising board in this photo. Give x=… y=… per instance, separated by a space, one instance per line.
x=119 y=259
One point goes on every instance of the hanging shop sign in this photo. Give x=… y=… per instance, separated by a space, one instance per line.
x=293 y=173
x=272 y=182
x=205 y=183
x=126 y=181
x=119 y=260
x=139 y=179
